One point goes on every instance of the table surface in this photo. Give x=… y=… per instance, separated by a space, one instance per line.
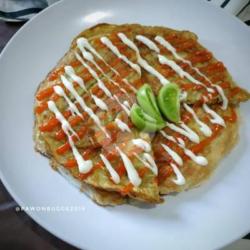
x=18 y=230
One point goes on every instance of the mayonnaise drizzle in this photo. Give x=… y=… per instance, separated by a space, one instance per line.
x=173 y=154
x=83 y=105
x=126 y=103
x=114 y=49
x=99 y=103
x=87 y=56
x=151 y=45
x=203 y=127
x=131 y=171
x=70 y=72
x=180 y=180
x=200 y=160
x=143 y=63
x=223 y=97
x=84 y=43
x=169 y=47
x=148 y=161
x=185 y=130
x=84 y=166
x=173 y=65
x=100 y=83
x=142 y=144
x=122 y=125
x=115 y=177
x=125 y=108
x=59 y=91
x=216 y=119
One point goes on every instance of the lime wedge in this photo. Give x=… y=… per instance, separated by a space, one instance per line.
x=143 y=121
x=147 y=101
x=169 y=102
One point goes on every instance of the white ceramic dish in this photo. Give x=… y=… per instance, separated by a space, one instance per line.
x=206 y=218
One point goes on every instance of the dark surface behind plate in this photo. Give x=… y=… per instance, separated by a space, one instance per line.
x=18 y=230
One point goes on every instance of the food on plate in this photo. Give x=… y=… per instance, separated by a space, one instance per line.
x=133 y=112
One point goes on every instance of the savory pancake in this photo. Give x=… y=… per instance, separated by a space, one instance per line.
x=83 y=113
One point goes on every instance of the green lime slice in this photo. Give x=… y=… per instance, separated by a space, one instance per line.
x=143 y=121
x=169 y=102
x=147 y=101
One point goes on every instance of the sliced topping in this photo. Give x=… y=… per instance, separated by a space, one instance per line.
x=147 y=116
x=169 y=102
x=143 y=121
x=147 y=101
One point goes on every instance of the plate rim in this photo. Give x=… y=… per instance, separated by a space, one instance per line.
x=33 y=214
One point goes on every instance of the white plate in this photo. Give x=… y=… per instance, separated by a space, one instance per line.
x=205 y=218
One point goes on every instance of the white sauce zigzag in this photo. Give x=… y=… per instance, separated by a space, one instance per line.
x=69 y=86
x=84 y=166
x=84 y=43
x=169 y=47
x=114 y=49
x=131 y=171
x=115 y=177
x=143 y=63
